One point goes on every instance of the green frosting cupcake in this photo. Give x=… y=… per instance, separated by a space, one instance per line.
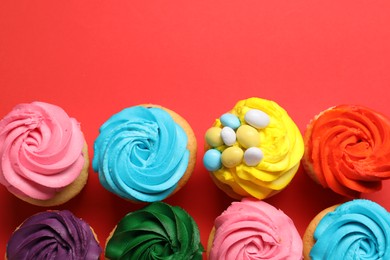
x=158 y=231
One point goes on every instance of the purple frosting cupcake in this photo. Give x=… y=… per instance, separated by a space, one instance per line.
x=53 y=235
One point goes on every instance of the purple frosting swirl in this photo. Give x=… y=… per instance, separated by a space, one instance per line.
x=53 y=235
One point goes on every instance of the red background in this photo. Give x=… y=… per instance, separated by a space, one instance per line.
x=94 y=58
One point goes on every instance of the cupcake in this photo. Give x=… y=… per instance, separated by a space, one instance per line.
x=53 y=235
x=254 y=229
x=144 y=153
x=44 y=157
x=358 y=229
x=254 y=150
x=347 y=150
x=157 y=231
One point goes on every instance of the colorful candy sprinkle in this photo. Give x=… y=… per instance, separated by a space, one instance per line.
x=253 y=156
x=213 y=136
x=232 y=156
x=230 y=120
x=233 y=132
x=257 y=118
x=248 y=136
x=228 y=136
x=212 y=160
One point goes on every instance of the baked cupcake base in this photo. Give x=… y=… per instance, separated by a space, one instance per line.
x=210 y=241
x=308 y=239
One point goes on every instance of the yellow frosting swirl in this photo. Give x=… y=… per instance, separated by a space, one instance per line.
x=282 y=145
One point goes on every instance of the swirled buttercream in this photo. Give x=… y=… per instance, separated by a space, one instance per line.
x=40 y=150
x=358 y=229
x=53 y=235
x=253 y=229
x=281 y=143
x=141 y=154
x=158 y=231
x=347 y=149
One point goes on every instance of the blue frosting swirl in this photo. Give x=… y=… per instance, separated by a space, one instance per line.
x=358 y=229
x=141 y=154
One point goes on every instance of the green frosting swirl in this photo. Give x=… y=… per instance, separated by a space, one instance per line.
x=158 y=231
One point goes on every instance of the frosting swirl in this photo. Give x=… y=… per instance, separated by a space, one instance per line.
x=158 y=231
x=253 y=229
x=358 y=229
x=347 y=149
x=141 y=154
x=40 y=150
x=282 y=145
x=53 y=235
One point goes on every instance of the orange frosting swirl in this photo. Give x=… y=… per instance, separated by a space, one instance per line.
x=347 y=149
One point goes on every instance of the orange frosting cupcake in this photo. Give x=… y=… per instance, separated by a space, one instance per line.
x=347 y=150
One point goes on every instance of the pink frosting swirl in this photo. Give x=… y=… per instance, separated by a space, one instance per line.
x=40 y=150
x=253 y=229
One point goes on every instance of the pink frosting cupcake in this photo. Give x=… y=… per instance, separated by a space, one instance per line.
x=254 y=229
x=44 y=157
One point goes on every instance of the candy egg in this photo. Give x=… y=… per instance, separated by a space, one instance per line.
x=212 y=160
x=232 y=156
x=257 y=118
x=228 y=136
x=248 y=136
x=213 y=136
x=253 y=156
x=230 y=120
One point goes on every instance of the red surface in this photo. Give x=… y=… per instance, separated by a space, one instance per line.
x=94 y=58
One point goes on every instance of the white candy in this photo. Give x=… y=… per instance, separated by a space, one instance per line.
x=257 y=118
x=228 y=136
x=253 y=156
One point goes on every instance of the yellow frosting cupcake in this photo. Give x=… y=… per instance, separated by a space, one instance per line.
x=254 y=150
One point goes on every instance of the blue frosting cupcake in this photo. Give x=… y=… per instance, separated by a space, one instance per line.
x=358 y=229
x=144 y=153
